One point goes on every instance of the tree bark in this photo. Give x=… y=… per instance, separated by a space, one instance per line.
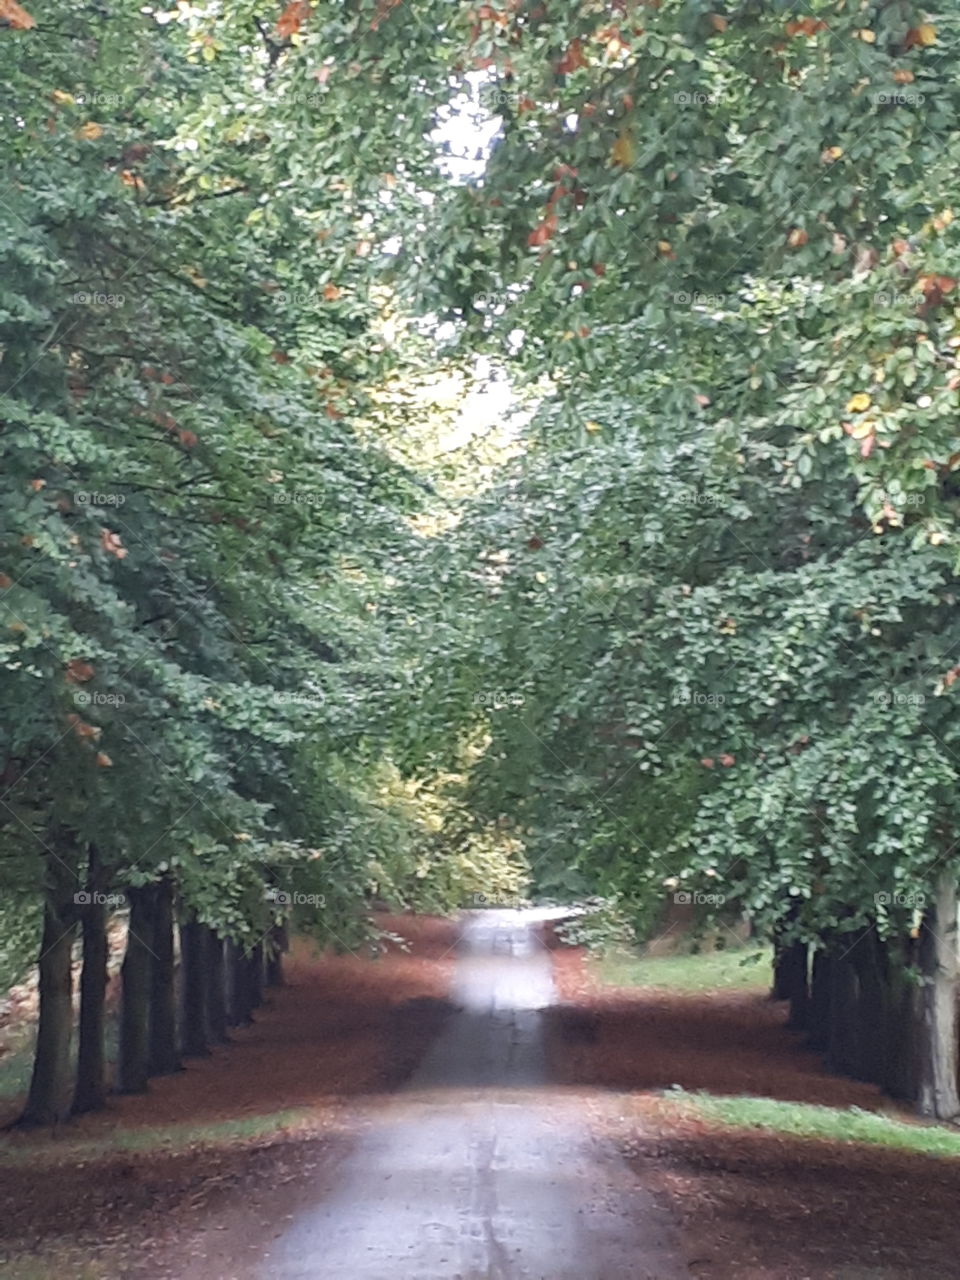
x=193 y=960
x=238 y=992
x=216 y=988
x=47 y=1100
x=133 y=1060
x=818 y=1021
x=873 y=1009
x=90 y=1090
x=278 y=944
x=798 y=964
x=164 y=1049
x=842 y=1055
x=937 y=1058
x=255 y=974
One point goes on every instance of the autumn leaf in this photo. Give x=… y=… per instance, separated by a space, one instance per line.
x=924 y=36
x=6 y=582
x=103 y=760
x=573 y=59
x=805 y=27
x=62 y=98
x=728 y=761
x=859 y=403
x=707 y=762
x=110 y=542
x=85 y=732
x=797 y=238
x=292 y=18
x=623 y=152
x=544 y=232
x=718 y=22
x=15 y=17
x=331 y=292
x=903 y=76
x=78 y=671
x=90 y=131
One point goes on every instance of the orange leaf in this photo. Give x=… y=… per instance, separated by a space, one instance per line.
x=797 y=238
x=6 y=582
x=12 y=15
x=103 y=760
x=573 y=59
x=110 y=542
x=78 y=671
x=289 y=22
x=84 y=731
x=331 y=292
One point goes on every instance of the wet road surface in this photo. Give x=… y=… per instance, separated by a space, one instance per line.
x=477 y=1171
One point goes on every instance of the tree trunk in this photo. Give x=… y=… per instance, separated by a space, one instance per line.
x=255 y=972
x=238 y=992
x=50 y=1082
x=216 y=988
x=873 y=1009
x=164 y=1051
x=278 y=944
x=798 y=964
x=133 y=1059
x=900 y=1080
x=818 y=1020
x=842 y=1055
x=193 y=961
x=937 y=1058
x=90 y=1090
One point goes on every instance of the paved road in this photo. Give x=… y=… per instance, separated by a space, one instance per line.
x=477 y=1171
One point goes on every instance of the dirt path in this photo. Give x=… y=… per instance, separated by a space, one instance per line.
x=477 y=1169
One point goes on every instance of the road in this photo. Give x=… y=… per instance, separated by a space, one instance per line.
x=477 y=1170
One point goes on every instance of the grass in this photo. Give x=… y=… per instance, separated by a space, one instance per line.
x=804 y=1120
x=734 y=969
x=168 y=1138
